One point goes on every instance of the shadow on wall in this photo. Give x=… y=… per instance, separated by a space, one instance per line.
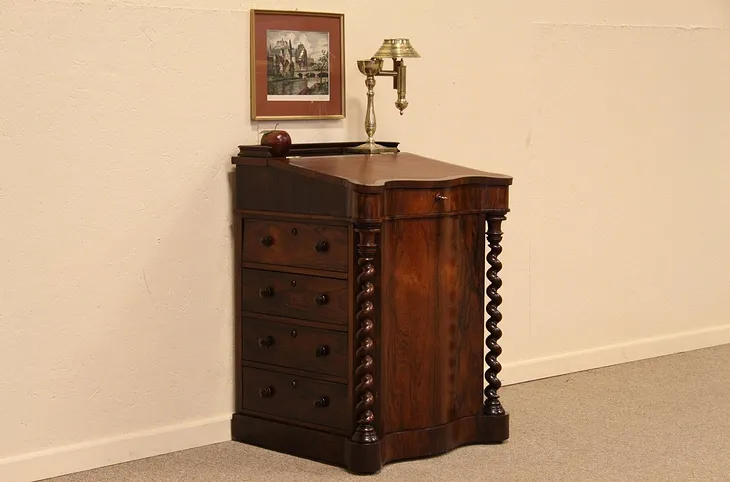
x=236 y=231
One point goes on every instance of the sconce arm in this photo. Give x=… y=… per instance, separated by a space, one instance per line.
x=396 y=72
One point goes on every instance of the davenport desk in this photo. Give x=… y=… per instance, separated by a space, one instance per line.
x=360 y=301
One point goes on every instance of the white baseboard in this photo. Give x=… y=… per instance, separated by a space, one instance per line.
x=536 y=368
x=98 y=453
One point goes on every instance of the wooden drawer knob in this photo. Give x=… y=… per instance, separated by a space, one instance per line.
x=321 y=299
x=322 y=350
x=267 y=241
x=266 y=392
x=322 y=246
x=322 y=402
x=440 y=197
x=266 y=341
x=266 y=292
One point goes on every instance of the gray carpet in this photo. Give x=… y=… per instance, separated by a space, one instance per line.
x=662 y=419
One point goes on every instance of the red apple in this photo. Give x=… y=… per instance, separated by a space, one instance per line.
x=279 y=142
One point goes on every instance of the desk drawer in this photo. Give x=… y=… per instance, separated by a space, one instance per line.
x=467 y=198
x=295 y=296
x=295 y=244
x=294 y=397
x=295 y=346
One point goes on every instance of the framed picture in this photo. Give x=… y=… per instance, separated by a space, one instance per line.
x=297 y=65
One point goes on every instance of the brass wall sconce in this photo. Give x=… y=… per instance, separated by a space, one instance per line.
x=396 y=49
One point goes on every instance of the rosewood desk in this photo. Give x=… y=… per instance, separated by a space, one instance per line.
x=360 y=295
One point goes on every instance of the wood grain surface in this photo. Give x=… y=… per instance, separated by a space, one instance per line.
x=432 y=321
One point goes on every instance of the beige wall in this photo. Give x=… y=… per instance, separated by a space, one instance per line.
x=117 y=121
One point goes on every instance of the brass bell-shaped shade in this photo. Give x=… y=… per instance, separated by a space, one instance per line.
x=394 y=48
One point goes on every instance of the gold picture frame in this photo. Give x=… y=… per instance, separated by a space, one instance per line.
x=294 y=85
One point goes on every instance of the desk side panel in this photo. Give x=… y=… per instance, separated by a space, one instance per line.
x=263 y=188
x=432 y=320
